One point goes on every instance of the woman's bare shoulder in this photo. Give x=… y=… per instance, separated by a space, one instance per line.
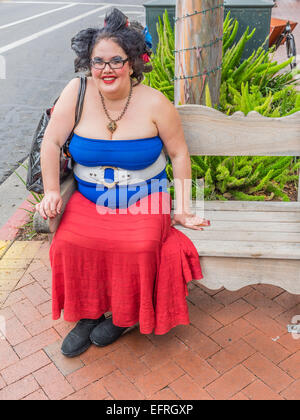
x=149 y=90
x=154 y=96
x=72 y=84
x=69 y=93
x=63 y=116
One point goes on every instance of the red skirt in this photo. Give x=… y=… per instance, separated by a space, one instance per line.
x=130 y=262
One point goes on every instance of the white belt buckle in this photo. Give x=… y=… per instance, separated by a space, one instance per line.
x=116 y=178
x=120 y=175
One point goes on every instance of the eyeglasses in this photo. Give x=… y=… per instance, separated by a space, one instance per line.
x=116 y=63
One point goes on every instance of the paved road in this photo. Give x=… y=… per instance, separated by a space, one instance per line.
x=36 y=62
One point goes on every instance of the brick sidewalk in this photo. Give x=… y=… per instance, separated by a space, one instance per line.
x=236 y=347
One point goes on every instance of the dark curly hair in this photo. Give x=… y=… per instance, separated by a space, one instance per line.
x=128 y=35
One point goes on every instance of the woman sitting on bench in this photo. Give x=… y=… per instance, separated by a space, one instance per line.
x=116 y=249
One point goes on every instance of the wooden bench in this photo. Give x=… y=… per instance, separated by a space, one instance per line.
x=248 y=242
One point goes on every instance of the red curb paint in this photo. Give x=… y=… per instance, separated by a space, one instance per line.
x=10 y=229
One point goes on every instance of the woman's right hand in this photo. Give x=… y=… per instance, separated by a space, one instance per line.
x=50 y=205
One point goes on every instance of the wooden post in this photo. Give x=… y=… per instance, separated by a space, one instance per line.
x=198 y=30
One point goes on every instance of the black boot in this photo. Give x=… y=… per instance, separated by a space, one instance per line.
x=78 y=341
x=106 y=333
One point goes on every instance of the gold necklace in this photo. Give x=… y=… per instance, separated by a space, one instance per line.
x=112 y=126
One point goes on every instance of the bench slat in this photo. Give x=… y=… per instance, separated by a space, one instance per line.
x=291 y=206
x=232 y=226
x=255 y=236
x=247 y=216
x=210 y=132
x=247 y=249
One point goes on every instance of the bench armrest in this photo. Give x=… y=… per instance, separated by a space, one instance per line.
x=41 y=225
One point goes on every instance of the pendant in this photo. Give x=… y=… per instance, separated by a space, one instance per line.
x=112 y=126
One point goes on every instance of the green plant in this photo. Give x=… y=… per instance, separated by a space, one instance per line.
x=163 y=60
x=248 y=178
x=251 y=85
x=37 y=198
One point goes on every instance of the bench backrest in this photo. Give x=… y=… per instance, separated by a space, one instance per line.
x=210 y=132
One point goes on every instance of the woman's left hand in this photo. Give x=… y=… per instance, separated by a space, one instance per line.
x=190 y=220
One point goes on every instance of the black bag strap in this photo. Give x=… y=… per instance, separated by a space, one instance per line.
x=80 y=99
x=78 y=111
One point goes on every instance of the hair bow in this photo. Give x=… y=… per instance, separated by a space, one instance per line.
x=145 y=58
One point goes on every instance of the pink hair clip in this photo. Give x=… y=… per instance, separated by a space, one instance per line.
x=146 y=58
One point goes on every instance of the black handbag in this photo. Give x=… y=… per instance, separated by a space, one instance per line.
x=34 y=180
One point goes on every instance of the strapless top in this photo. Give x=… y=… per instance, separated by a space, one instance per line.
x=126 y=154
x=133 y=155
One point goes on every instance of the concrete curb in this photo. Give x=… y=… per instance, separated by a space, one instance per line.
x=10 y=229
x=13 y=200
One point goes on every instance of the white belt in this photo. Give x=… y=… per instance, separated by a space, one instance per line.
x=96 y=174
